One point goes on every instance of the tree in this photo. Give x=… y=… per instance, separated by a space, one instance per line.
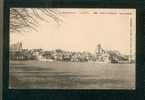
x=27 y=18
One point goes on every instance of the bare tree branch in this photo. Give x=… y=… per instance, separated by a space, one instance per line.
x=27 y=18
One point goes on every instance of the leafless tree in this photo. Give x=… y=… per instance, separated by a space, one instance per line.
x=27 y=18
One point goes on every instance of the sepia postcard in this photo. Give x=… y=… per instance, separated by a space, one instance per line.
x=72 y=48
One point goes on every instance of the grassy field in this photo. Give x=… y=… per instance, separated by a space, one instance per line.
x=70 y=75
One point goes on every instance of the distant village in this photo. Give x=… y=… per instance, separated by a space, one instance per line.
x=18 y=53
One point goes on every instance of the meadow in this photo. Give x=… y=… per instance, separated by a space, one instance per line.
x=70 y=75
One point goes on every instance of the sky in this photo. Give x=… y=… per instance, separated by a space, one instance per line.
x=82 y=30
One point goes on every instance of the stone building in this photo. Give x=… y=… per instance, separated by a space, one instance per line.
x=102 y=55
x=110 y=56
x=15 y=51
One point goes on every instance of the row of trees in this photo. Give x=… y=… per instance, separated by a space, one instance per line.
x=61 y=55
x=55 y=55
x=22 y=55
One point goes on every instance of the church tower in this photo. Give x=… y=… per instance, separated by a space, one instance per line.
x=98 y=49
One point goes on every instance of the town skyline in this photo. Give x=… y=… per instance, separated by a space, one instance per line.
x=76 y=34
x=19 y=47
x=17 y=52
